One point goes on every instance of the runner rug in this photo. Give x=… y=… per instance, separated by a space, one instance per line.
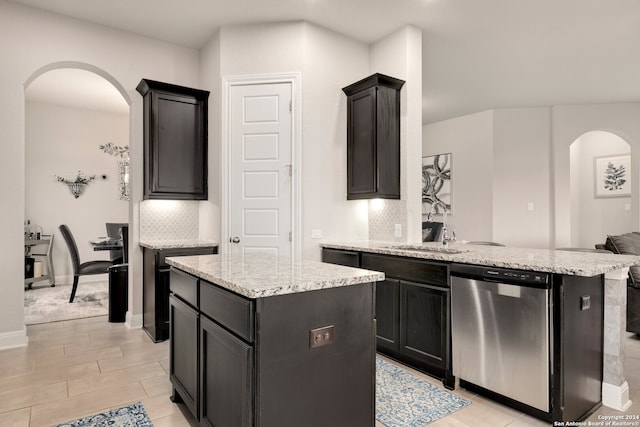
x=404 y=400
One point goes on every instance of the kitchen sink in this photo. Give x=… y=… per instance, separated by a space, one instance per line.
x=432 y=249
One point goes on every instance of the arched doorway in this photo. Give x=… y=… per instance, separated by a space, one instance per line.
x=600 y=188
x=71 y=109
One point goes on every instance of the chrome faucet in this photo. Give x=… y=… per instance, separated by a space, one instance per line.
x=445 y=234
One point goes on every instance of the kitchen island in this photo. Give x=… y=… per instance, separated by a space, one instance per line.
x=261 y=340
x=420 y=276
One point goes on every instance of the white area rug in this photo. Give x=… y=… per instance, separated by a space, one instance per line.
x=47 y=304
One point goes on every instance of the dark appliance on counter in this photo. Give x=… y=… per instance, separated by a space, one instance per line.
x=533 y=341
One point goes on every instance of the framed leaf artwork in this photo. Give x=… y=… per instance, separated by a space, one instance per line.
x=612 y=176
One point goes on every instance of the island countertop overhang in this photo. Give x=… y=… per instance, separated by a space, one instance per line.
x=541 y=260
x=259 y=276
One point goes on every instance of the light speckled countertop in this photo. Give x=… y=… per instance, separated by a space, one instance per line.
x=543 y=260
x=170 y=244
x=258 y=275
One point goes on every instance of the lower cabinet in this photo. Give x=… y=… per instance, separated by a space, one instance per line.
x=412 y=309
x=424 y=323
x=155 y=287
x=226 y=367
x=240 y=362
x=183 y=365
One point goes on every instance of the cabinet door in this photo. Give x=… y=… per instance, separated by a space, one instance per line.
x=362 y=177
x=387 y=315
x=177 y=150
x=227 y=378
x=183 y=352
x=423 y=322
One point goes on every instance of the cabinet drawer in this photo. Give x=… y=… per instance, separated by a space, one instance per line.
x=341 y=257
x=230 y=310
x=184 y=286
x=430 y=272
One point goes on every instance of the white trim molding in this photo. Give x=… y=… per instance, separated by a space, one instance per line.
x=295 y=79
x=616 y=397
x=133 y=321
x=14 y=339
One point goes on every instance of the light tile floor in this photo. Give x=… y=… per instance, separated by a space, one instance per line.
x=81 y=367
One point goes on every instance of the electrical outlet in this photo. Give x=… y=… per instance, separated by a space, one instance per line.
x=321 y=336
x=397 y=231
x=316 y=234
x=530 y=206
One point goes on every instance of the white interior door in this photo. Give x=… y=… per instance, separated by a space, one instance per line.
x=260 y=168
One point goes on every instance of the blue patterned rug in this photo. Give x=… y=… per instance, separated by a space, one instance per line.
x=404 y=400
x=128 y=416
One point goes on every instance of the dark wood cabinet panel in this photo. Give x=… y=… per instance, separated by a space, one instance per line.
x=341 y=257
x=226 y=369
x=155 y=288
x=175 y=141
x=412 y=311
x=183 y=365
x=423 y=322
x=387 y=315
x=272 y=377
x=373 y=138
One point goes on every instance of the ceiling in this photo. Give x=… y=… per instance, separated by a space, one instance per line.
x=477 y=54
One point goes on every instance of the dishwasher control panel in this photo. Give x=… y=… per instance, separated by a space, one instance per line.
x=516 y=276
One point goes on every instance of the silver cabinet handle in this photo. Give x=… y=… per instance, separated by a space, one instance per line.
x=235 y=240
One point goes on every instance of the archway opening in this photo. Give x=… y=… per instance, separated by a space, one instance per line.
x=600 y=188
x=72 y=111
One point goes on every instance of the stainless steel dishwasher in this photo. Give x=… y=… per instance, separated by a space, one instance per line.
x=500 y=325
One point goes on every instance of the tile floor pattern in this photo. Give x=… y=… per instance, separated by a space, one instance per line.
x=76 y=368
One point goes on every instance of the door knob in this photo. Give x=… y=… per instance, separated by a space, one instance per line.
x=235 y=240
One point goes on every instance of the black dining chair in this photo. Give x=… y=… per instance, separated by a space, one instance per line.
x=114 y=231
x=81 y=269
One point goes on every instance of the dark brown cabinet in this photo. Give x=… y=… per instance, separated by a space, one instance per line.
x=155 y=287
x=254 y=363
x=175 y=141
x=183 y=358
x=412 y=309
x=373 y=138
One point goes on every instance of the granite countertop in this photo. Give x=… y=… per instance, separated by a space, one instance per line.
x=543 y=260
x=170 y=244
x=259 y=275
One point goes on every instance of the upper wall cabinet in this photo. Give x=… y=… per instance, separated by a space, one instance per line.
x=175 y=141
x=373 y=138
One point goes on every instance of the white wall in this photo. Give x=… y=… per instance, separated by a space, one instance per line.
x=327 y=61
x=469 y=139
x=513 y=157
x=61 y=141
x=569 y=123
x=521 y=177
x=38 y=40
x=399 y=55
x=592 y=219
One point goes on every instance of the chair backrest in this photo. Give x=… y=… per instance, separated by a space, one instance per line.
x=113 y=230
x=71 y=245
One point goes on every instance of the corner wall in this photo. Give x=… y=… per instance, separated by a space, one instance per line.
x=469 y=139
x=400 y=55
x=39 y=39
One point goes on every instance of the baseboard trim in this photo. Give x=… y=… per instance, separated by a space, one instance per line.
x=616 y=397
x=133 y=322
x=14 y=339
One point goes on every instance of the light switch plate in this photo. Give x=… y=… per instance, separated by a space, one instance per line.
x=316 y=234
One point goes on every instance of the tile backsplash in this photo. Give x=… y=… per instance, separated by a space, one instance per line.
x=169 y=220
x=383 y=216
